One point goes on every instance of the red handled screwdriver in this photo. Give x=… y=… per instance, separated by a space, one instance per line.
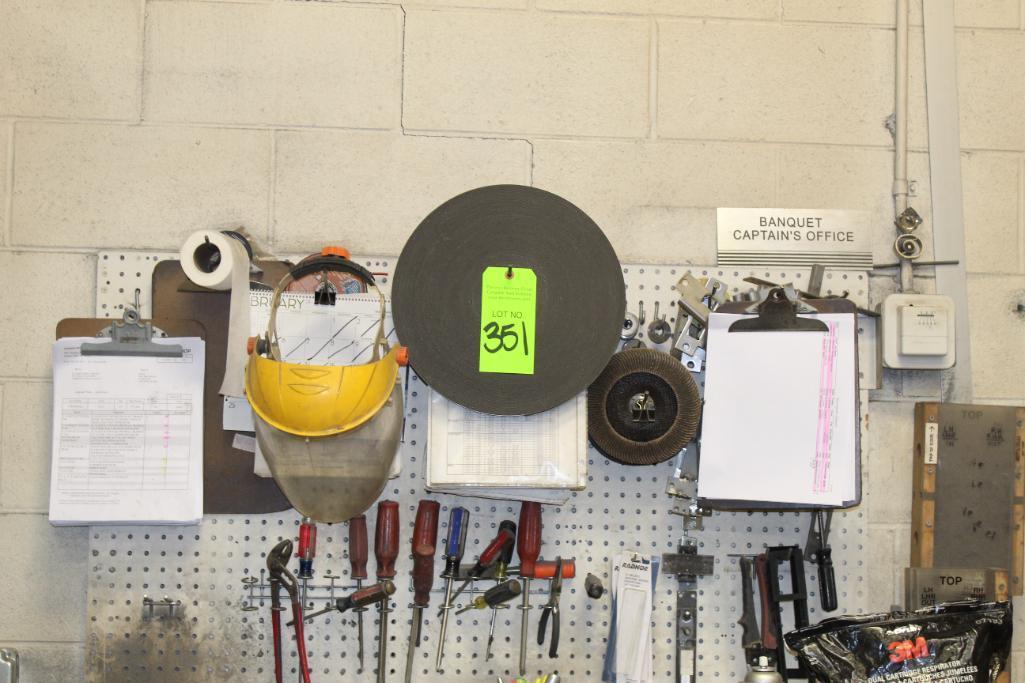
x=307 y=550
x=488 y=557
x=528 y=547
x=425 y=542
x=386 y=551
x=358 y=567
x=364 y=596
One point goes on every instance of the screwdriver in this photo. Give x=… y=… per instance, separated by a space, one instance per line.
x=361 y=598
x=488 y=557
x=458 y=522
x=494 y=596
x=306 y=551
x=358 y=567
x=425 y=541
x=528 y=547
x=386 y=550
x=501 y=573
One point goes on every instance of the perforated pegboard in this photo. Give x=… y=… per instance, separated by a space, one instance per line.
x=622 y=508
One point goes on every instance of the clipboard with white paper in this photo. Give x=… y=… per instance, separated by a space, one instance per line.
x=781 y=421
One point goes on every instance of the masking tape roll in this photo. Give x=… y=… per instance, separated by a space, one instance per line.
x=219 y=261
x=209 y=258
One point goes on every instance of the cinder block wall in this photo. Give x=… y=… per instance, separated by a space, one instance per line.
x=131 y=123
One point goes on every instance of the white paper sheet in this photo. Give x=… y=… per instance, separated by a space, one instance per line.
x=780 y=416
x=546 y=450
x=127 y=436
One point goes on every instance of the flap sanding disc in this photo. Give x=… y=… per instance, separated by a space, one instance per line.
x=644 y=408
x=436 y=296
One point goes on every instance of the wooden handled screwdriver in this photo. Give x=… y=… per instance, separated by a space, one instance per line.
x=386 y=551
x=361 y=598
x=358 y=568
x=425 y=541
x=528 y=547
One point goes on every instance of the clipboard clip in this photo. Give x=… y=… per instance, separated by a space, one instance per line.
x=131 y=337
x=778 y=313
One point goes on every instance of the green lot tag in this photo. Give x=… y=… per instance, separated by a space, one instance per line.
x=508 y=312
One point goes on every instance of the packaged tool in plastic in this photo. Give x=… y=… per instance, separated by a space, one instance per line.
x=960 y=642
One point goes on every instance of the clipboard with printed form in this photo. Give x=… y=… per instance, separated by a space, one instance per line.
x=781 y=421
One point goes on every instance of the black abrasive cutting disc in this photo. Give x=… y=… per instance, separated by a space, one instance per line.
x=643 y=409
x=580 y=302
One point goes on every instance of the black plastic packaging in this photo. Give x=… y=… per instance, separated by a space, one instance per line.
x=960 y=642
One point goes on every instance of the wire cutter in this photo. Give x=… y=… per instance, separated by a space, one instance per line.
x=551 y=609
x=277 y=565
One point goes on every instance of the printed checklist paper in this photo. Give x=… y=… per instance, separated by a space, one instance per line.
x=780 y=419
x=127 y=436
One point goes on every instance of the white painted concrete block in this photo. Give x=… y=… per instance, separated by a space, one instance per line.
x=992 y=103
x=483 y=4
x=880 y=561
x=28 y=320
x=815 y=176
x=992 y=200
x=733 y=9
x=319 y=64
x=998 y=334
x=70 y=59
x=518 y=74
x=890 y=448
x=50 y=569
x=984 y=14
x=136 y=186
x=26 y=444
x=368 y=191
x=992 y=98
x=656 y=201
x=796 y=83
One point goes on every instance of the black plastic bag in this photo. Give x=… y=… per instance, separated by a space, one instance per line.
x=960 y=642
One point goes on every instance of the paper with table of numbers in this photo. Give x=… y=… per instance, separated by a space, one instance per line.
x=127 y=436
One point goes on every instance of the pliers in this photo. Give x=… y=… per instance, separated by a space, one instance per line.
x=277 y=565
x=551 y=609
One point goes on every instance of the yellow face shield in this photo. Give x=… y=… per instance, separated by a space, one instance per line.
x=317 y=400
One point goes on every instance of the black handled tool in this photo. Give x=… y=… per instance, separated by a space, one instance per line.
x=750 y=637
x=818 y=550
x=501 y=573
x=495 y=596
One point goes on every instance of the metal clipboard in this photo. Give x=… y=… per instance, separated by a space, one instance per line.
x=779 y=313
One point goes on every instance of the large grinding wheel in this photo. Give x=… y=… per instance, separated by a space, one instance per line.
x=643 y=409
x=436 y=297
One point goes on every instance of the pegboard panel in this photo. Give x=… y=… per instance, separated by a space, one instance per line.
x=622 y=508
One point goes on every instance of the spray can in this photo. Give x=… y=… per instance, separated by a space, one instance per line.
x=763 y=672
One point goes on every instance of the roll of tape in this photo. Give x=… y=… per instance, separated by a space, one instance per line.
x=209 y=258
x=220 y=261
